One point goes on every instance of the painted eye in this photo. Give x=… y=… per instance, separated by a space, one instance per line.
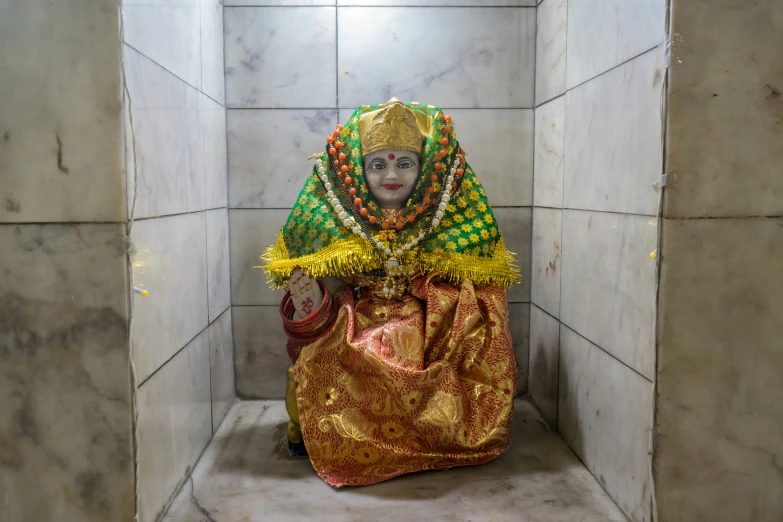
x=377 y=166
x=405 y=165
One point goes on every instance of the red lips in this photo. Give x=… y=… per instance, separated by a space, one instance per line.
x=392 y=186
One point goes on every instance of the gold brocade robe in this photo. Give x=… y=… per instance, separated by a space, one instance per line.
x=397 y=386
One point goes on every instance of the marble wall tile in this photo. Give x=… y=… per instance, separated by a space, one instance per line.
x=519 y=324
x=60 y=112
x=258 y=180
x=725 y=139
x=605 y=410
x=170 y=147
x=603 y=34
x=613 y=166
x=549 y=154
x=551 y=50
x=212 y=119
x=169 y=2
x=280 y=57
x=608 y=284
x=174 y=425
x=171 y=263
x=251 y=231
x=218 y=266
x=260 y=355
x=719 y=371
x=546 y=263
x=544 y=363
x=64 y=370
x=168 y=34
x=515 y=225
x=491 y=64
x=444 y=3
x=212 y=70
x=500 y=148
x=278 y=2
x=221 y=367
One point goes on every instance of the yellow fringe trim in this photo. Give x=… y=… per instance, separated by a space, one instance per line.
x=352 y=256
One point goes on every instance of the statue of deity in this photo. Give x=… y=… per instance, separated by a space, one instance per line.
x=407 y=363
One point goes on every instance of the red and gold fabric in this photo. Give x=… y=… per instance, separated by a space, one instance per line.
x=397 y=386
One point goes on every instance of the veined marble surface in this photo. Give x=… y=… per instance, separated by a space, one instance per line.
x=613 y=138
x=499 y=143
x=544 y=362
x=549 y=154
x=175 y=425
x=453 y=57
x=445 y=3
x=519 y=325
x=218 y=268
x=258 y=179
x=605 y=415
x=260 y=356
x=246 y=475
x=180 y=143
x=65 y=433
x=171 y=263
x=605 y=33
x=280 y=57
x=221 y=366
x=60 y=112
x=212 y=69
x=608 y=284
x=551 y=50
x=168 y=33
x=547 y=259
x=253 y=3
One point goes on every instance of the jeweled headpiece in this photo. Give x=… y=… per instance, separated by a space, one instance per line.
x=395 y=126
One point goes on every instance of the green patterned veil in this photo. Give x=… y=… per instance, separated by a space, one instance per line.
x=466 y=243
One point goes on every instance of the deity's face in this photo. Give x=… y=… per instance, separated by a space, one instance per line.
x=391 y=176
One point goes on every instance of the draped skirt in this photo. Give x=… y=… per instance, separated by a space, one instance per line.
x=398 y=386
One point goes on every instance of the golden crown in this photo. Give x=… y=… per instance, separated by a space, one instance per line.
x=394 y=126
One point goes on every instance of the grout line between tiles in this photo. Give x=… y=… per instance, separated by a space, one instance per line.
x=550 y=100
x=532 y=213
x=387 y=6
x=209 y=323
x=49 y=223
x=174 y=74
x=179 y=214
x=593 y=343
x=562 y=204
x=629 y=60
x=209 y=338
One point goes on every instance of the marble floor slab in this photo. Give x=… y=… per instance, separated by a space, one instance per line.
x=246 y=476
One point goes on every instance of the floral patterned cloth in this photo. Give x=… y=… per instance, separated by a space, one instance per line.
x=398 y=386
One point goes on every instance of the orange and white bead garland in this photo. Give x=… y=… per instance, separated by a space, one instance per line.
x=354 y=217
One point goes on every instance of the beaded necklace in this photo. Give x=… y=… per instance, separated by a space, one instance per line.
x=399 y=264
